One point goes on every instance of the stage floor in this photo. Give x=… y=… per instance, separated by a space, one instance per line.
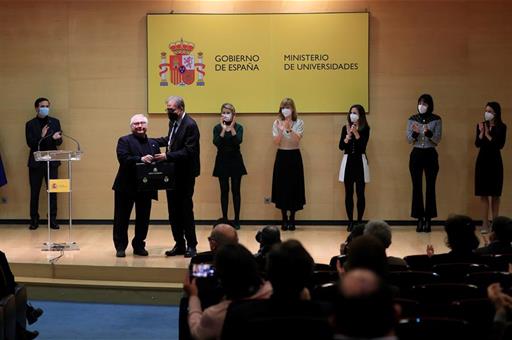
x=22 y=245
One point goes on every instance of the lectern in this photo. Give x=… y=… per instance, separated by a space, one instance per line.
x=59 y=186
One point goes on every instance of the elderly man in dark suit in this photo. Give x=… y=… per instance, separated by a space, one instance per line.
x=42 y=133
x=132 y=149
x=182 y=145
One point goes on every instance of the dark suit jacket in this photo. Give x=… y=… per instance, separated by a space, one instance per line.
x=7 y=283
x=33 y=129
x=184 y=150
x=129 y=151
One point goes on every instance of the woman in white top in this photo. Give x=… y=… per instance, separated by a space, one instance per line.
x=288 y=177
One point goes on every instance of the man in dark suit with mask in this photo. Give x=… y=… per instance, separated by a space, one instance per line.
x=42 y=133
x=182 y=145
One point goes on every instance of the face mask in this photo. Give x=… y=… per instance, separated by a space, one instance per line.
x=286 y=112
x=354 y=117
x=488 y=116
x=43 y=111
x=422 y=108
x=227 y=117
x=171 y=113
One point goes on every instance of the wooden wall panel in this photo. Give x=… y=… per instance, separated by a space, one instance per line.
x=89 y=58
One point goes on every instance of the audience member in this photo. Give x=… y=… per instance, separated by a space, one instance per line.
x=502 y=327
x=501 y=237
x=367 y=252
x=7 y=287
x=238 y=274
x=266 y=237
x=222 y=233
x=460 y=238
x=365 y=308
x=288 y=314
x=382 y=231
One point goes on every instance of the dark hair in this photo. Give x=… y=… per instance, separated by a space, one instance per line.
x=366 y=315
x=39 y=100
x=367 y=252
x=237 y=271
x=496 y=107
x=460 y=233
x=268 y=236
x=290 y=268
x=428 y=100
x=362 y=116
x=357 y=231
x=502 y=228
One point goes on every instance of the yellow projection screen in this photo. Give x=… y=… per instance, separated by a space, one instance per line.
x=255 y=60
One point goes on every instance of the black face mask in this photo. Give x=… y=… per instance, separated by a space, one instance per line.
x=171 y=113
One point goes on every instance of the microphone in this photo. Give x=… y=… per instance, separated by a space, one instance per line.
x=48 y=134
x=73 y=139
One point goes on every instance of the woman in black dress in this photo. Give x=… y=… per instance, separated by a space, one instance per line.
x=288 y=177
x=354 y=166
x=490 y=139
x=227 y=137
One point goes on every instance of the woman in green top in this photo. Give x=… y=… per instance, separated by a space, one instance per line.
x=227 y=137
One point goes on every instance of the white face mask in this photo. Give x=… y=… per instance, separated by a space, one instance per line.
x=227 y=117
x=286 y=112
x=422 y=108
x=488 y=116
x=354 y=117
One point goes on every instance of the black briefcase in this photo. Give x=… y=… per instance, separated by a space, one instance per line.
x=155 y=176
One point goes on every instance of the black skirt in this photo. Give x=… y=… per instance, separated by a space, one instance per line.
x=229 y=164
x=288 y=180
x=489 y=173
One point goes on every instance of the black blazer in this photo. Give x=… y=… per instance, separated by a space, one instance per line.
x=184 y=150
x=129 y=151
x=33 y=129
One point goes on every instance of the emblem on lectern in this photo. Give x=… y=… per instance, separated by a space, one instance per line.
x=166 y=179
x=145 y=180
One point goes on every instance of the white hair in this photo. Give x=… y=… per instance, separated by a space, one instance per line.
x=137 y=116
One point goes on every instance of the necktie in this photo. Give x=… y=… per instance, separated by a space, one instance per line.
x=173 y=133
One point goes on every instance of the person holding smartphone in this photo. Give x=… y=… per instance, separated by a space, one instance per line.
x=229 y=164
x=288 y=193
x=490 y=139
x=424 y=133
x=354 y=165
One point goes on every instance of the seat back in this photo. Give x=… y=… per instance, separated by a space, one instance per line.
x=405 y=280
x=326 y=292
x=456 y=272
x=432 y=328
x=8 y=305
x=419 y=262
x=479 y=313
x=445 y=293
x=484 y=279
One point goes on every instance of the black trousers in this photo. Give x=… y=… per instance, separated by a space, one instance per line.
x=181 y=211
x=36 y=176
x=123 y=205
x=424 y=161
x=349 y=199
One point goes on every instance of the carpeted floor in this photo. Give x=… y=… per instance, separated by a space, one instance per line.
x=69 y=320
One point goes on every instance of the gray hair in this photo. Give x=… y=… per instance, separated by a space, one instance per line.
x=380 y=230
x=138 y=115
x=180 y=102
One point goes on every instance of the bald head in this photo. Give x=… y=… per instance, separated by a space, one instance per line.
x=221 y=235
x=359 y=282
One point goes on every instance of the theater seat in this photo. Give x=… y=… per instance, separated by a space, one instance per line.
x=484 y=279
x=8 y=306
x=456 y=272
x=405 y=280
x=479 y=313
x=419 y=262
x=433 y=328
x=445 y=293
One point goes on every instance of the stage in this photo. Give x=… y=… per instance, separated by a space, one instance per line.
x=93 y=273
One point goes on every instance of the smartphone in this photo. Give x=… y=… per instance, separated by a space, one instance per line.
x=203 y=270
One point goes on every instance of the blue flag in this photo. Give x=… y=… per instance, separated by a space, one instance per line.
x=3 y=177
